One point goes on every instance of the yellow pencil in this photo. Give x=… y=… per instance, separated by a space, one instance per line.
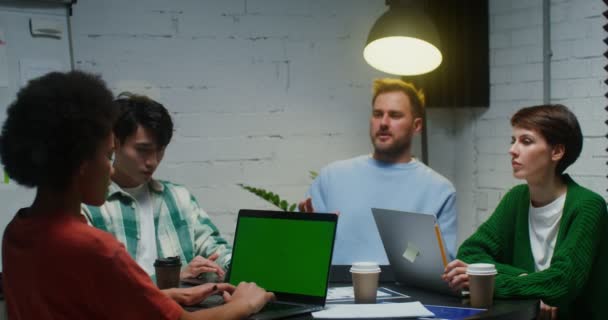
x=440 y=242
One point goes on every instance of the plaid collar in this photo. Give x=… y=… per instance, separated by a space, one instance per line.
x=116 y=191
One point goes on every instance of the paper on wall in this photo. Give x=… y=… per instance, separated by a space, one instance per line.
x=3 y=61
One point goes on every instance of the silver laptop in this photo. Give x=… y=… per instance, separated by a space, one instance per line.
x=286 y=253
x=412 y=245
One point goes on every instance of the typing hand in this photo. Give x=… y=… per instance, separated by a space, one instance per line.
x=250 y=296
x=194 y=295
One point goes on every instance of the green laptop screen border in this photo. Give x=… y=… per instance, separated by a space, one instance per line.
x=283 y=255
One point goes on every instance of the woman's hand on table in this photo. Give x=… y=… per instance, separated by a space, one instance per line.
x=546 y=312
x=455 y=274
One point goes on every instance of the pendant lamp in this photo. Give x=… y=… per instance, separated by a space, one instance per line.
x=404 y=40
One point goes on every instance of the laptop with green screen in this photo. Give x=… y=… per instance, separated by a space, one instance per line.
x=285 y=253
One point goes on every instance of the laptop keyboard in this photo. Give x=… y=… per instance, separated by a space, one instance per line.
x=273 y=306
x=278 y=310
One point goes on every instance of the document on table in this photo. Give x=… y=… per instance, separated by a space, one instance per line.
x=383 y=310
x=347 y=294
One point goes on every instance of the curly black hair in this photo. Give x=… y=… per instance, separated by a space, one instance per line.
x=140 y=110
x=57 y=122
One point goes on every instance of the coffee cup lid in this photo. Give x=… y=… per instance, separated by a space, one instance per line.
x=168 y=262
x=481 y=269
x=365 y=267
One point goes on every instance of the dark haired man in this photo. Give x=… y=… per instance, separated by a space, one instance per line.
x=155 y=218
x=388 y=178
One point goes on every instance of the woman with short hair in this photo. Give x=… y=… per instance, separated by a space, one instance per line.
x=548 y=238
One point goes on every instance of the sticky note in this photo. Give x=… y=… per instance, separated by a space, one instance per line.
x=6 y=179
x=411 y=252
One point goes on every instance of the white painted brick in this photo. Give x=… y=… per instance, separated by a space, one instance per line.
x=500 y=74
x=597 y=67
x=505 y=109
x=560 y=12
x=481 y=200
x=535 y=54
x=527 y=72
x=497 y=145
x=278 y=7
x=590 y=112
x=567 y=30
x=526 y=37
x=585 y=48
x=590 y=8
x=594 y=28
x=570 y=69
x=493 y=161
x=516 y=91
x=577 y=88
x=577 y=10
x=496 y=180
x=524 y=4
x=119 y=18
x=597 y=184
x=493 y=128
x=563 y=49
x=509 y=56
x=500 y=40
x=229 y=149
x=529 y=17
x=499 y=7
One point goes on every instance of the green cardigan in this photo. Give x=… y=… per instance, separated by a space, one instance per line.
x=577 y=280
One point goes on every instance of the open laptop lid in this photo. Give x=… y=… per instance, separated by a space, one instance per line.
x=414 y=248
x=286 y=253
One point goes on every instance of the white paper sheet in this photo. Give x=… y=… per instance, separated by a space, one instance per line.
x=341 y=293
x=3 y=61
x=383 y=310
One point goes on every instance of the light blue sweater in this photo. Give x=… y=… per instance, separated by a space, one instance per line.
x=356 y=185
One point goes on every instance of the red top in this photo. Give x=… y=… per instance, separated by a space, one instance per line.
x=57 y=267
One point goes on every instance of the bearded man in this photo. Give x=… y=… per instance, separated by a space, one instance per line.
x=389 y=178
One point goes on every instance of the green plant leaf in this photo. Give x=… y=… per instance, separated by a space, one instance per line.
x=283 y=205
x=312 y=174
x=270 y=197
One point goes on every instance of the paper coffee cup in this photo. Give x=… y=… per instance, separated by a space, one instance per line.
x=167 y=272
x=365 y=281
x=481 y=284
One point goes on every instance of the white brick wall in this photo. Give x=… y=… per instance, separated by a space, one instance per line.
x=262 y=91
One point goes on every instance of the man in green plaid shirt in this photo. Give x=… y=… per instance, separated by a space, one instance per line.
x=153 y=218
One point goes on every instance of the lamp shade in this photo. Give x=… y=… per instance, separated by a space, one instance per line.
x=403 y=41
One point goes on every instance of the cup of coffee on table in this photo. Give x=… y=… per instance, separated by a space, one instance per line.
x=167 y=272
x=365 y=281
x=481 y=284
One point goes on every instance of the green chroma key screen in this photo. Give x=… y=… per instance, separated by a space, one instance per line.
x=283 y=255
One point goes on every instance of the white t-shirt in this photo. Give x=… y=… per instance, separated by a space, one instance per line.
x=146 y=252
x=543 y=229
